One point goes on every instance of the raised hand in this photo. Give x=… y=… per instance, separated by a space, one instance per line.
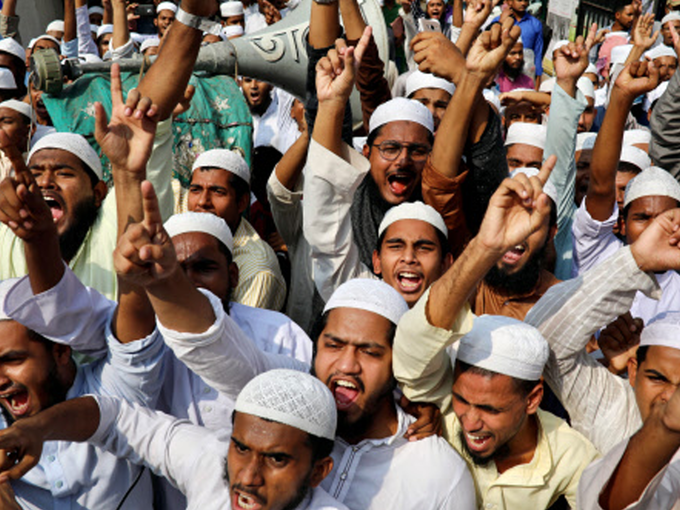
x=145 y=254
x=491 y=47
x=516 y=210
x=571 y=60
x=127 y=139
x=636 y=79
x=658 y=249
x=477 y=13
x=642 y=35
x=435 y=53
x=619 y=341
x=336 y=72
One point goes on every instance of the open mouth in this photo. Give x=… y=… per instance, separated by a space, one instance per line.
x=16 y=402
x=246 y=501
x=409 y=281
x=513 y=255
x=477 y=442
x=400 y=182
x=345 y=393
x=55 y=205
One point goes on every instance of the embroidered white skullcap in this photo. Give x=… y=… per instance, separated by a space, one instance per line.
x=662 y=330
x=671 y=16
x=18 y=106
x=292 y=398
x=547 y=86
x=207 y=223
x=224 y=159
x=398 y=109
x=57 y=26
x=653 y=181
x=633 y=136
x=634 y=156
x=585 y=141
x=526 y=133
x=620 y=54
x=419 y=80
x=9 y=45
x=371 y=295
x=228 y=9
x=151 y=42
x=7 y=81
x=591 y=69
x=49 y=38
x=661 y=51
x=653 y=95
x=586 y=87
x=413 y=211
x=73 y=143
x=95 y=10
x=548 y=188
x=166 y=6
x=505 y=346
x=104 y=29
x=233 y=31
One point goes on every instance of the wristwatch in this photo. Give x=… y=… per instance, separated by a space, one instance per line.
x=193 y=21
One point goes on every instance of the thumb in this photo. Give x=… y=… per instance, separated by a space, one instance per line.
x=152 y=214
x=362 y=44
x=547 y=168
x=101 y=122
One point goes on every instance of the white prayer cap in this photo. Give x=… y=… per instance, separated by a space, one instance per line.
x=620 y=54
x=95 y=10
x=398 y=109
x=73 y=143
x=104 y=29
x=492 y=98
x=292 y=398
x=166 y=6
x=224 y=159
x=591 y=69
x=505 y=346
x=228 y=9
x=547 y=86
x=548 y=188
x=57 y=26
x=31 y=43
x=586 y=87
x=419 y=80
x=7 y=81
x=413 y=211
x=585 y=141
x=671 y=16
x=634 y=156
x=371 y=295
x=625 y=35
x=233 y=31
x=661 y=51
x=653 y=181
x=94 y=28
x=526 y=133
x=633 y=136
x=18 y=106
x=49 y=38
x=663 y=330
x=9 y=45
x=151 y=42
x=207 y=223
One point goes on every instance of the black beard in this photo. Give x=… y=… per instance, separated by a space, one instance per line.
x=260 y=108
x=520 y=282
x=84 y=214
x=510 y=72
x=499 y=454
x=357 y=429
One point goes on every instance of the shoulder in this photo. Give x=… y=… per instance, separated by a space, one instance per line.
x=251 y=250
x=566 y=444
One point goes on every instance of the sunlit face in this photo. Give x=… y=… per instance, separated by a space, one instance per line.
x=521 y=155
x=666 y=32
x=163 y=21
x=519 y=6
x=435 y=9
x=257 y=94
x=16 y=127
x=270 y=466
x=657 y=377
x=354 y=359
x=398 y=180
x=642 y=212
x=410 y=258
x=626 y=16
x=666 y=67
x=491 y=411
x=585 y=121
x=211 y=191
x=435 y=100
x=515 y=59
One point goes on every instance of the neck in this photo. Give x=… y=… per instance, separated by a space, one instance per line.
x=518 y=15
x=511 y=72
x=262 y=107
x=381 y=424
x=522 y=447
x=618 y=27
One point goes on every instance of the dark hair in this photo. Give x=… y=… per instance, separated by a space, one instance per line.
x=620 y=5
x=443 y=242
x=224 y=250
x=524 y=388
x=240 y=186
x=641 y=354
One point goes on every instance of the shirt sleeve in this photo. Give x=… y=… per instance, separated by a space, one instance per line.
x=159 y=168
x=665 y=126
x=538 y=47
x=594 y=240
x=85 y=42
x=127 y=50
x=9 y=27
x=286 y=207
x=601 y=405
x=329 y=188
x=263 y=289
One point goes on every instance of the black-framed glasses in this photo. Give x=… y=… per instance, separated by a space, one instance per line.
x=390 y=150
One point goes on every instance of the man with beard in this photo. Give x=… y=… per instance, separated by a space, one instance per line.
x=279 y=452
x=511 y=75
x=165 y=16
x=520 y=456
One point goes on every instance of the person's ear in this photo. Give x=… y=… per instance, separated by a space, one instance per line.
x=377 y=265
x=100 y=190
x=233 y=275
x=61 y=353
x=366 y=151
x=321 y=470
x=632 y=370
x=535 y=397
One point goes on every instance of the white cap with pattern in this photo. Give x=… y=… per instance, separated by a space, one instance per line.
x=399 y=109
x=653 y=181
x=9 y=45
x=228 y=9
x=419 y=80
x=661 y=51
x=413 y=211
x=207 y=223
x=634 y=156
x=224 y=159
x=527 y=134
x=73 y=143
x=292 y=398
x=373 y=296
x=18 y=106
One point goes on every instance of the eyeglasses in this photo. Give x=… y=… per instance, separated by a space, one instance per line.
x=390 y=150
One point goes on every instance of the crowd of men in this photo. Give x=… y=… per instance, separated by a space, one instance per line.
x=464 y=295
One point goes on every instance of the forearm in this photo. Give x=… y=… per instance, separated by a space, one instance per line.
x=72 y=420
x=107 y=19
x=9 y=7
x=69 y=20
x=328 y=126
x=371 y=82
x=44 y=262
x=665 y=126
x=467 y=36
x=352 y=19
x=324 y=25
x=289 y=169
x=457 y=19
x=121 y=32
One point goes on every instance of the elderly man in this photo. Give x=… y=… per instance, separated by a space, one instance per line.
x=279 y=452
x=490 y=396
x=220 y=184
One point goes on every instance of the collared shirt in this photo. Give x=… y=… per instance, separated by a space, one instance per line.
x=226 y=360
x=601 y=405
x=494 y=302
x=594 y=242
x=80 y=475
x=506 y=83
x=93 y=262
x=662 y=492
x=260 y=282
x=425 y=373
x=192 y=458
x=532 y=37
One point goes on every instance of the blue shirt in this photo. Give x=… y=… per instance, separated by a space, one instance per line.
x=532 y=37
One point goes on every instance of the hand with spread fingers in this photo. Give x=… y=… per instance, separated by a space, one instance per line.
x=642 y=33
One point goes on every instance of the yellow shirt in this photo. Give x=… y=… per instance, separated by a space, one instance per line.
x=425 y=373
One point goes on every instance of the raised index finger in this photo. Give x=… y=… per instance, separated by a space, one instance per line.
x=547 y=168
x=116 y=88
x=152 y=213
